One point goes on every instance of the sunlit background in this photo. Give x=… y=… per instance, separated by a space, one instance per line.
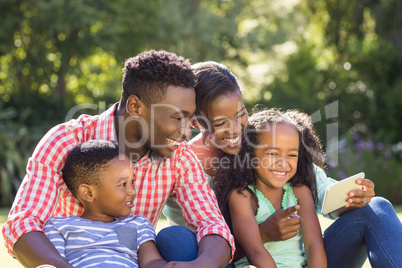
x=305 y=54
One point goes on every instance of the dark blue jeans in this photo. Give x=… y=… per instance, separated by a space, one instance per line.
x=373 y=231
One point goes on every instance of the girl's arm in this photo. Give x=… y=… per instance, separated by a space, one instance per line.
x=245 y=229
x=310 y=228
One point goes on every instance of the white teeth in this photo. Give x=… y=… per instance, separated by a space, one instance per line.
x=173 y=142
x=279 y=173
x=128 y=203
x=235 y=140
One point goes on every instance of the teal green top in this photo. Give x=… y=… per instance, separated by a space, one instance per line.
x=172 y=211
x=288 y=253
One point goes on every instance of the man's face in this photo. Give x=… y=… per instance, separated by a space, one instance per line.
x=168 y=121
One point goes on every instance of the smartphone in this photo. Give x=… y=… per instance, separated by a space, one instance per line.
x=336 y=195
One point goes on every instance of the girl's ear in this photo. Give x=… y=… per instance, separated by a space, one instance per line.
x=134 y=105
x=85 y=193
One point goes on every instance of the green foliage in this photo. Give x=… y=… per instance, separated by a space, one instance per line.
x=16 y=142
x=55 y=55
x=380 y=162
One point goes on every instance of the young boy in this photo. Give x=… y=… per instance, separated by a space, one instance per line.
x=101 y=177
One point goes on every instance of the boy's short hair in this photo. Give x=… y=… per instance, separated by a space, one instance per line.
x=86 y=163
x=150 y=73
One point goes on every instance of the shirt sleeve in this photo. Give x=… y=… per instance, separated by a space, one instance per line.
x=197 y=200
x=38 y=195
x=55 y=237
x=146 y=232
x=322 y=183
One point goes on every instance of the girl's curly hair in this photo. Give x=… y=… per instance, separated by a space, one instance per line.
x=238 y=171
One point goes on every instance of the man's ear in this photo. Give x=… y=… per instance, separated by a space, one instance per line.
x=134 y=105
x=194 y=123
x=85 y=192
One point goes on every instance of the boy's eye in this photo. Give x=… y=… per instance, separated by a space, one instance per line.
x=133 y=181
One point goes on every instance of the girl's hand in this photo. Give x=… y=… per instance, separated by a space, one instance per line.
x=360 y=198
x=281 y=225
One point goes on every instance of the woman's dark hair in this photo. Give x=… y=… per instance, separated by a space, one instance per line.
x=239 y=172
x=212 y=80
x=150 y=73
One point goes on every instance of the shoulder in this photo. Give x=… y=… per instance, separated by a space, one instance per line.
x=184 y=155
x=241 y=195
x=301 y=190
x=136 y=219
x=303 y=194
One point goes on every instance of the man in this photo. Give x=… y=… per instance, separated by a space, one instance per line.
x=150 y=123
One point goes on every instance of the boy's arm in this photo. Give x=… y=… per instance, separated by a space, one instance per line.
x=246 y=231
x=149 y=256
x=310 y=229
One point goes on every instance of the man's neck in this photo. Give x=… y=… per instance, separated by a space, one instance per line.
x=126 y=133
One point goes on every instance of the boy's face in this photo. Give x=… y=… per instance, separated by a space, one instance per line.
x=277 y=152
x=168 y=121
x=114 y=195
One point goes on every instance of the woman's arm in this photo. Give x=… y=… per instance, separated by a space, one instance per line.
x=310 y=228
x=246 y=231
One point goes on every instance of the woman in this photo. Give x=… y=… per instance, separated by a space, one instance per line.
x=221 y=117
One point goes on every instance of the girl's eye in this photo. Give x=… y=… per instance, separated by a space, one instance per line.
x=293 y=155
x=272 y=154
x=241 y=115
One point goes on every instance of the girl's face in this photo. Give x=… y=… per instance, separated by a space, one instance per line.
x=277 y=155
x=228 y=117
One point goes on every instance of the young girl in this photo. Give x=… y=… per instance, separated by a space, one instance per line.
x=278 y=153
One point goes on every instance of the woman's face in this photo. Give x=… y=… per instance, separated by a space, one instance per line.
x=228 y=118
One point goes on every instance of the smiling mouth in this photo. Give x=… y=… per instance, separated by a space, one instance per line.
x=280 y=173
x=172 y=142
x=232 y=141
x=130 y=203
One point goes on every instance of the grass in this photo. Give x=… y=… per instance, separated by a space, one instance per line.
x=8 y=262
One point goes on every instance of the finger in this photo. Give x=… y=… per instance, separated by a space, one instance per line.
x=289 y=211
x=366 y=183
x=296 y=217
x=362 y=193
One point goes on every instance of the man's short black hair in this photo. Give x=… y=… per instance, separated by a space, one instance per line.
x=150 y=73
x=86 y=163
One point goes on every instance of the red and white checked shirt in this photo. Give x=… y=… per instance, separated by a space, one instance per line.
x=43 y=193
